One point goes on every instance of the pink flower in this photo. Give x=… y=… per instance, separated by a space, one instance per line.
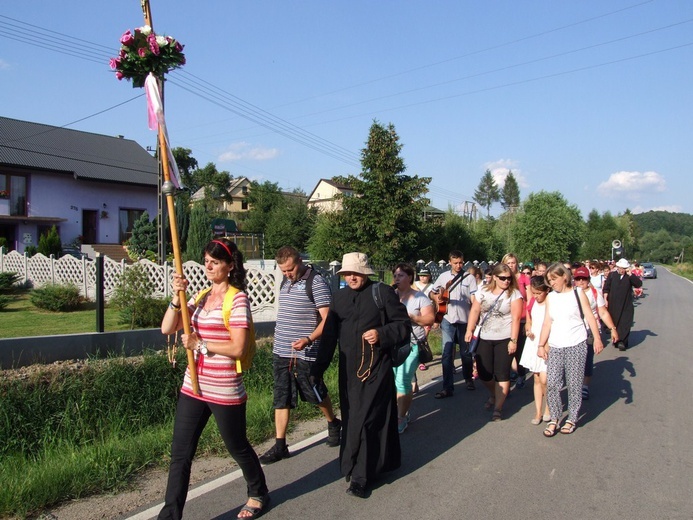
x=127 y=38
x=119 y=75
x=122 y=53
x=114 y=63
x=142 y=52
x=153 y=46
x=178 y=47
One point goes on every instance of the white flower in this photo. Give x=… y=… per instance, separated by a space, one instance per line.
x=162 y=41
x=146 y=30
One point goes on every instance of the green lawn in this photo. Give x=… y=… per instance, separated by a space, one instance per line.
x=20 y=318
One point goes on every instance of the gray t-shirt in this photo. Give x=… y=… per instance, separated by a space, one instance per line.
x=499 y=323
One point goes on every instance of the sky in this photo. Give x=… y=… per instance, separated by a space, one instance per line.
x=592 y=98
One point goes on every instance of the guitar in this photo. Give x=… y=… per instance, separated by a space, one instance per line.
x=440 y=300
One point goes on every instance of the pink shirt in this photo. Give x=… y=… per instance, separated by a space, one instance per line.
x=216 y=374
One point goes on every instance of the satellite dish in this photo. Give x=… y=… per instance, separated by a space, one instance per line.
x=616 y=244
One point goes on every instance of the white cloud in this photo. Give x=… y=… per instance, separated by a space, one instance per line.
x=4 y=64
x=670 y=209
x=501 y=168
x=632 y=184
x=245 y=151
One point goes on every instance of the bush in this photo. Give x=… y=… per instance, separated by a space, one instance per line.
x=30 y=251
x=133 y=298
x=56 y=298
x=50 y=243
x=4 y=301
x=7 y=281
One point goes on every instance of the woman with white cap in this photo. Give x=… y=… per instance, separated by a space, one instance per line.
x=618 y=294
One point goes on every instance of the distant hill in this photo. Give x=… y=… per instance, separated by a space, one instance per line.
x=674 y=223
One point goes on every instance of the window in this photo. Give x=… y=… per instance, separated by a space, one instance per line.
x=126 y=221
x=244 y=190
x=13 y=187
x=244 y=204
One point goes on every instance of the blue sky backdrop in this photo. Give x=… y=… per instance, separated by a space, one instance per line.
x=590 y=98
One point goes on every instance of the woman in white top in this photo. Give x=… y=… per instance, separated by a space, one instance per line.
x=563 y=344
x=599 y=310
x=536 y=310
x=499 y=306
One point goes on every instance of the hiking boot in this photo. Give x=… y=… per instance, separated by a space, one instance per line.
x=333 y=431
x=275 y=454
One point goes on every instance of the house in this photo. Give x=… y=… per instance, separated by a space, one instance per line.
x=92 y=187
x=237 y=200
x=323 y=195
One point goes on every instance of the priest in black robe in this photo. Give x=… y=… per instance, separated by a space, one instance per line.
x=618 y=293
x=370 y=442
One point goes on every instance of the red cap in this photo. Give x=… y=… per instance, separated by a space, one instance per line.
x=581 y=272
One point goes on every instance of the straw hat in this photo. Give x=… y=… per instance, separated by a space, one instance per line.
x=355 y=263
x=623 y=263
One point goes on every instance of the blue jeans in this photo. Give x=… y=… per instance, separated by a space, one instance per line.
x=453 y=333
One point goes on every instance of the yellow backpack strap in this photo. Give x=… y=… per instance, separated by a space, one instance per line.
x=201 y=295
x=226 y=307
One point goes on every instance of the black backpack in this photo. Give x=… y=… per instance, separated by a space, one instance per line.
x=400 y=352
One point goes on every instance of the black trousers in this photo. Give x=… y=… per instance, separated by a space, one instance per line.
x=191 y=418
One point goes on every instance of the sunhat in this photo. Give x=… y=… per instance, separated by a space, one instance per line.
x=623 y=263
x=355 y=263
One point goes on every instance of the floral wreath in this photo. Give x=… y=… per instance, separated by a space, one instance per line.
x=145 y=52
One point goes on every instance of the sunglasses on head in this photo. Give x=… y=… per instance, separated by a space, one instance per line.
x=504 y=278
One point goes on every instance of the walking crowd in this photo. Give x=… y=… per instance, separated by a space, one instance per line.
x=508 y=322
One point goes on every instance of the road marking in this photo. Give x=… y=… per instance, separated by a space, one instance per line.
x=210 y=486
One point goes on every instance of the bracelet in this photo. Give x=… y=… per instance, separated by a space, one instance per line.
x=513 y=340
x=173 y=306
x=310 y=341
x=613 y=328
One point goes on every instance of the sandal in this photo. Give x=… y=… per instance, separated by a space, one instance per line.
x=568 y=427
x=496 y=416
x=443 y=394
x=490 y=403
x=470 y=385
x=255 y=512
x=549 y=431
x=423 y=367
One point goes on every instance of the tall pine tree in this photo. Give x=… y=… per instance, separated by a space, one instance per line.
x=487 y=192
x=510 y=194
x=385 y=213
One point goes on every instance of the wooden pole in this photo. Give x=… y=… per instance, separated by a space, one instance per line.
x=168 y=189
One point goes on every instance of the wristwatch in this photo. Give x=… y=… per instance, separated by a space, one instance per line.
x=202 y=348
x=310 y=341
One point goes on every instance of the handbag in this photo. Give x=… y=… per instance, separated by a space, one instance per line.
x=425 y=352
x=474 y=343
x=590 y=336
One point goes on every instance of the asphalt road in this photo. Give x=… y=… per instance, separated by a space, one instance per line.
x=631 y=456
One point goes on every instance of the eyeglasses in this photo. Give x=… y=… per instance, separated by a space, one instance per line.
x=527 y=272
x=504 y=278
x=581 y=279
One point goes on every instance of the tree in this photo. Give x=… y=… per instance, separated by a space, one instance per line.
x=199 y=232
x=548 y=228
x=487 y=192
x=50 y=244
x=144 y=238
x=510 y=194
x=186 y=163
x=290 y=223
x=600 y=232
x=262 y=200
x=385 y=213
x=331 y=238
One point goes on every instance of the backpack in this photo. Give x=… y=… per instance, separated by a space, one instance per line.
x=309 y=282
x=400 y=352
x=244 y=362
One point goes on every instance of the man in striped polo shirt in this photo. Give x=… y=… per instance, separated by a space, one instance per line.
x=304 y=300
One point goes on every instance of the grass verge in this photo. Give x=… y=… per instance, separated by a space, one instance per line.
x=21 y=318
